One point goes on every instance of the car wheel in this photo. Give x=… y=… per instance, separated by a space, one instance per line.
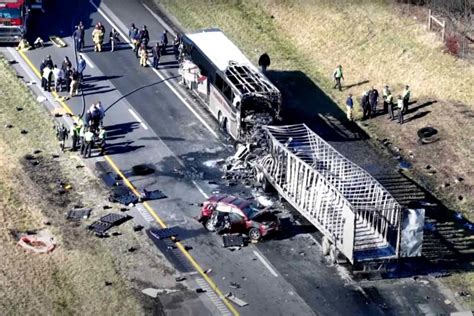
x=254 y=234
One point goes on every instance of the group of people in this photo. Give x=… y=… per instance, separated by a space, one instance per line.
x=369 y=101
x=140 y=39
x=85 y=134
x=64 y=78
x=98 y=35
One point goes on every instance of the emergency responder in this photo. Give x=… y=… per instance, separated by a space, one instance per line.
x=23 y=45
x=385 y=93
x=364 y=102
x=101 y=139
x=350 y=107
x=264 y=62
x=62 y=135
x=98 y=38
x=373 y=99
x=338 y=76
x=156 y=53
x=400 y=106
x=406 y=98
x=143 y=55
x=75 y=131
x=87 y=144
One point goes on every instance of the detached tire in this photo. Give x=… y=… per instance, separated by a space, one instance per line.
x=326 y=246
x=254 y=234
x=210 y=223
x=333 y=254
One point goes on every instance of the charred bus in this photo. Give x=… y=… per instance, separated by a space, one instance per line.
x=13 y=20
x=237 y=94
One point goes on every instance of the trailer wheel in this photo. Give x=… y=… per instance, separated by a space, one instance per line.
x=333 y=254
x=326 y=246
x=254 y=234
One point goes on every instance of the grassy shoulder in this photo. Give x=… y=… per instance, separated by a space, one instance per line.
x=70 y=280
x=376 y=46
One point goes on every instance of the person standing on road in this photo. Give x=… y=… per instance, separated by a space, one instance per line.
x=143 y=55
x=49 y=62
x=349 y=106
x=42 y=66
x=338 y=76
x=81 y=66
x=400 y=105
x=176 y=43
x=101 y=113
x=164 y=40
x=114 y=39
x=75 y=136
x=264 y=62
x=406 y=98
x=373 y=99
x=390 y=107
x=67 y=78
x=58 y=75
x=144 y=36
x=133 y=34
x=98 y=38
x=62 y=135
x=101 y=140
x=46 y=78
x=74 y=88
x=86 y=147
x=156 y=53
x=79 y=37
x=65 y=64
x=385 y=93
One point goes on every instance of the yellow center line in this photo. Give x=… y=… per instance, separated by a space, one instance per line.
x=127 y=182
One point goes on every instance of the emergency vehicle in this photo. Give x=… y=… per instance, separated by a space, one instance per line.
x=13 y=20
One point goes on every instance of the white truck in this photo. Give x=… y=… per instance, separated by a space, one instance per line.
x=356 y=215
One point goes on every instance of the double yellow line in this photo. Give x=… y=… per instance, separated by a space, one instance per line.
x=127 y=182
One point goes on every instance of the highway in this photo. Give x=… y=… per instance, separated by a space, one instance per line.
x=151 y=119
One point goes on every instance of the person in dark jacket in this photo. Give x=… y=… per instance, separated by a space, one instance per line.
x=350 y=106
x=78 y=36
x=156 y=53
x=49 y=62
x=164 y=38
x=373 y=99
x=264 y=62
x=144 y=36
x=65 y=64
x=364 y=102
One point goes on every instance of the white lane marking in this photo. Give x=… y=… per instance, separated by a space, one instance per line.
x=200 y=189
x=160 y=20
x=265 y=263
x=137 y=118
x=158 y=73
x=88 y=61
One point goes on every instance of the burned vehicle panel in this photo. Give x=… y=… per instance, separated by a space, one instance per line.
x=230 y=214
x=237 y=94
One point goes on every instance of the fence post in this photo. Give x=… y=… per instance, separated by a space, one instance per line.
x=429 y=19
x=443 y=32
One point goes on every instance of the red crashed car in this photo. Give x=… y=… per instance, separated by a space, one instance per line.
x=227 y=213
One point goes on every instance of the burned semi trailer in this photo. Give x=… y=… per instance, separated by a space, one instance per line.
x=356 y=215
x=236 y=93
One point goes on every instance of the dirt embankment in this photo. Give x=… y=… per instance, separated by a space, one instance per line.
x=38 y=185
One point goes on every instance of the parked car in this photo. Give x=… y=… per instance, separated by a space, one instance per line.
x=227 y=213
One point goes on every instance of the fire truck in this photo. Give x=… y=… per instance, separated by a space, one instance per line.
x=13 y=20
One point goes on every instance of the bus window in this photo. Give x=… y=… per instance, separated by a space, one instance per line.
x=219 y=82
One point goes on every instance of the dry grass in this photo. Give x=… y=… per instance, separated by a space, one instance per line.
x=373 y=42
x=70 y=280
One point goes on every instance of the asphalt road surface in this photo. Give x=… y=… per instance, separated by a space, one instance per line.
x=151 y=119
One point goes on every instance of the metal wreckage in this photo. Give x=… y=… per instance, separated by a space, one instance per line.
x=358 y=218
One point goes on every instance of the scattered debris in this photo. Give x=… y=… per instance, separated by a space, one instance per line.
x=116 y=234
x=23 y=132
x=122 y=194
x=77 y=167
x=302 y=253
x=137 y=228
x=180 y=279
x=108 y=221
x=37 y=151
x=40 y=99
x=463 y=293
x=163 y=233
x=154 y=292
x=190 y=158
x=236 y=300
x=200 y=290
x=108 y=283
x=43 y=242
x=234 y=240
x=153 y=195
x=404 y=165
x=234 y=285
x=187 y=248
x=447 y=302
x=106 y=207
x=132 y=249
x=208 y=271
x=459 y=179
x=19 y=108
x=142 y=170
x=77 y=214
x=8 y=126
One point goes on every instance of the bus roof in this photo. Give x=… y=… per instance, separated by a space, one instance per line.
x=218 y=48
